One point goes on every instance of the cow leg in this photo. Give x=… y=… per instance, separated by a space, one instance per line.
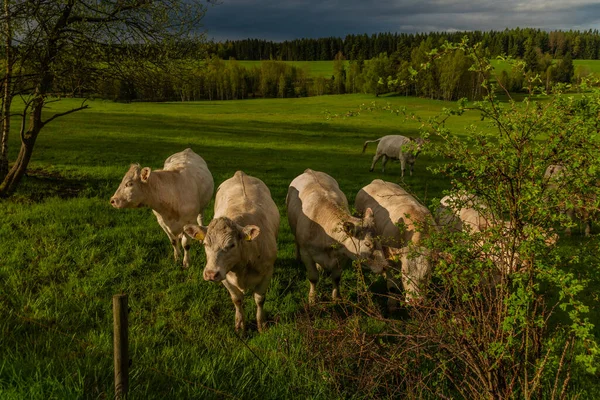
x=312 y=273
x=173 y=238
x=238 y=301
x=336 y=275
x=394 y=287
x=412 y=166
x=383 y=162
x=259 y=299
x=376 y=158
x=298 y=253
x=402 y=165
x=571 y=214
x=588 y=225
x=199 y=219
x=186 y=248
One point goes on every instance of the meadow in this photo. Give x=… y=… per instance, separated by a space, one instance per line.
x=65 y=251
x=325 y=68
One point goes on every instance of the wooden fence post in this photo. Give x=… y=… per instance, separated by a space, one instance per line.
x=121 y=345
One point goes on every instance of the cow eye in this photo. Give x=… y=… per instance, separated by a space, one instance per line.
x=230 y=246
x=129 y=184
x=369 y=244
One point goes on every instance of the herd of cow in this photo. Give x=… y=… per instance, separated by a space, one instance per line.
x=240 y=241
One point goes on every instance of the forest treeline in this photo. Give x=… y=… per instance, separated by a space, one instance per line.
x=511 y=42
x=447 y=78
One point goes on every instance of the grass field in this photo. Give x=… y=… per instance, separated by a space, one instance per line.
x=325 y=68
x=65 y=252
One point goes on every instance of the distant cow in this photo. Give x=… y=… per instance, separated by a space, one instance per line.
x=396 y=147
x=402 y=224
x=327 y=236
x=177 y=194
x=557 y=175
x=241 y=242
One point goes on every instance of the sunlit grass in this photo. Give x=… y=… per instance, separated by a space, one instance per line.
x=64 y=251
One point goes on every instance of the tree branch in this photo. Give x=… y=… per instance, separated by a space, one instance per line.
x=58 y=115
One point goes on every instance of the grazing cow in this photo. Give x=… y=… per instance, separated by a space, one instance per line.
x=327 y=236
x=177 y=194
x=241 y=242
x=555 y=176
x=467 y=213
x=462 y=213
x=396 y=147
x=402 y=224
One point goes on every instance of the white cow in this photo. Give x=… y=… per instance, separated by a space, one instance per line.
x=463 y=213
x=177 y=194
x=241 y=242
x=402 y=224
x=467 y=213
x=327 y=236
x=396 y=147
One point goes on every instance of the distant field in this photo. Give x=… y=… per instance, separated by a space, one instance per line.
x=65 y=251
x=325 y=68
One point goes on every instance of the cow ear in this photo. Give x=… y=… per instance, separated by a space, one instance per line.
x=349 y=228
x=195 y=232
x=250 y=232
x=145 y=174
x=369 y=213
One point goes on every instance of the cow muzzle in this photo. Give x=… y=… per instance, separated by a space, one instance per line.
x=115 y=202
x=213 y=275
x=377 y=263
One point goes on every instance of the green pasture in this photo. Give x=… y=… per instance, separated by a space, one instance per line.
x=325 y=68
x=65 y=252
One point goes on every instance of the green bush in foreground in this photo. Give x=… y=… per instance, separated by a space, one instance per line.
x=507 y=314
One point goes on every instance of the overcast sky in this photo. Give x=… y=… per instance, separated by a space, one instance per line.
x=280 y=20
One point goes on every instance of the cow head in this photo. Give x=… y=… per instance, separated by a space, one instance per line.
x=363 y=243
x=131 y=192
x=224 y=241
x=413 y=149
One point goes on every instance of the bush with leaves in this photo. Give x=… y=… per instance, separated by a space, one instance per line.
x=505 y=314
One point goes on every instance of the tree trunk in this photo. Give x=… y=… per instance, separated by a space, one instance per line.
x=14 y=176
x=18 y=169
x=7 y=95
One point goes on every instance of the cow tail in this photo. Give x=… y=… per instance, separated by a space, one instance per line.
x=369 y=141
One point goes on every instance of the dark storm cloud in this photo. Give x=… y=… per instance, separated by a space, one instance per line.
x=283 y=20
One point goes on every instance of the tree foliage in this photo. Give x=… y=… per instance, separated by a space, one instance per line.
x=509 y=42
